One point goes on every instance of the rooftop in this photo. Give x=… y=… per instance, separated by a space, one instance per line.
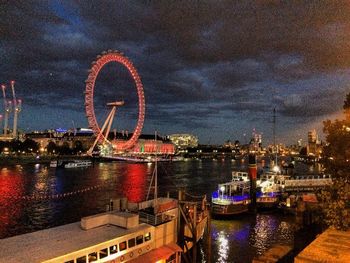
x=50 y=243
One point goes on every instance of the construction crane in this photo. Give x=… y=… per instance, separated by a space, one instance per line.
x=7 y=109
x=17 y=108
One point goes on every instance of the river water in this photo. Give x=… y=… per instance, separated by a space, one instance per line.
x=73 y=193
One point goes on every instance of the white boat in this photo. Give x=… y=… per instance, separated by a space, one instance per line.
x=232 y=198
x=115 y=236
x=240 y=176
x=78 y=164
x=53 y=164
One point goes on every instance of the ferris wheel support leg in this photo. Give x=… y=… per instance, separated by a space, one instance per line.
x=110 y=123
x=100 y=133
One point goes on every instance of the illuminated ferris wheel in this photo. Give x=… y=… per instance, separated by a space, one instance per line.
x=101 y=133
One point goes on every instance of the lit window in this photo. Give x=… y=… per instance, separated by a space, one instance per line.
x=148 y=236
x=139 y=240
x=122 y=246
x=92 y=257
x=104 y=252
x=113 y=249
x=81 y=259
x=131 y=242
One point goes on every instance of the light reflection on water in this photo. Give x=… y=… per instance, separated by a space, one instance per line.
x=240 y=239
x=223 y=247
x=236 y=240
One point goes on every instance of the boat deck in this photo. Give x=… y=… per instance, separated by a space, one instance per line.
x=50 y=243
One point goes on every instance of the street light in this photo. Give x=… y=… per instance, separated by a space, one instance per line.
x=276 y=169
x=222 y=189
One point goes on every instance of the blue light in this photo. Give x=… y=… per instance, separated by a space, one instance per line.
x=234 y=198
x=61 y=130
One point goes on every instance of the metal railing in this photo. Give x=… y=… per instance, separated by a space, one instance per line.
x=154 y=219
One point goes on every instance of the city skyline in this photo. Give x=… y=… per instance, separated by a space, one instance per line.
x=215 y=70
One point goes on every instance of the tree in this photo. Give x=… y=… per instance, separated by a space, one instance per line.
x=29 y=145
x=78 y=147
x=64 y=149
x=346 y=106
x=336 y=156
x=51 y=147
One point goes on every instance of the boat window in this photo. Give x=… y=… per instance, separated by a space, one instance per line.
x=148 y=236
x=103 y=253
x=139 y=240
x=122 y=246
x=92 y=257
x=131 y=242
x=113 y=249
x=81 y=259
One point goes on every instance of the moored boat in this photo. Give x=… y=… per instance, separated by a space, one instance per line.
x=231 y=198
x=53 y=164
x=265 y=201
x=77 y=164
x=269 y=191
x=115 y=236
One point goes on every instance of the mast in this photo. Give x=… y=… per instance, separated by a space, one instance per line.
x=156 y=174
x=274 y=134
x=276 y=169
x=155 y=178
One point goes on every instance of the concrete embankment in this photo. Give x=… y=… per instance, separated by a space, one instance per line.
x=331 y=246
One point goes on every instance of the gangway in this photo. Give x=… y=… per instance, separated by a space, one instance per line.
x=305 y=183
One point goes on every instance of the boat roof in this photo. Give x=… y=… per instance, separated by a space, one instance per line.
x=236 y=183
x=159 y=253
x=53 y=242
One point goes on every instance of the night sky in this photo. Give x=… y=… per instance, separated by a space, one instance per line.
x=215 y=69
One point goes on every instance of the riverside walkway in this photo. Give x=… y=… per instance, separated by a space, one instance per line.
x=331 y=246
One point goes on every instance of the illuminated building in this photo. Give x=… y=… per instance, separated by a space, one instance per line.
x=314 y=146
x=183 y=141
x=146 y=144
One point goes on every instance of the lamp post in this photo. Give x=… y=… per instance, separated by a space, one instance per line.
x=222 y=189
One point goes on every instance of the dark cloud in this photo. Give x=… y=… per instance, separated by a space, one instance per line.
x=203 y=61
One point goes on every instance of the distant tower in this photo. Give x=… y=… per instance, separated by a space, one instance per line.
x=7 y=109
x=16 y=109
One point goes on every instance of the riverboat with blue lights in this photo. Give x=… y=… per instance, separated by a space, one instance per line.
x=231 y=198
